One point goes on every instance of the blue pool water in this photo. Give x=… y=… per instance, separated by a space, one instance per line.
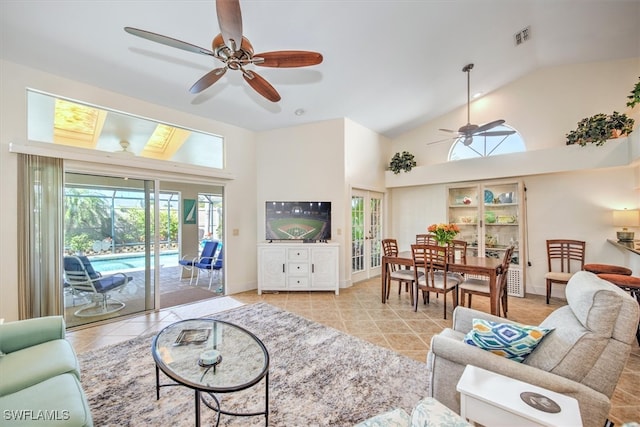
x=127 y=262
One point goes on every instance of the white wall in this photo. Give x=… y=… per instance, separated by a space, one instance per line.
x=304 y=163
x=240 y=194
x=543 y=106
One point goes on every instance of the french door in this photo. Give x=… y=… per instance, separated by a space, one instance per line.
x=366 y=234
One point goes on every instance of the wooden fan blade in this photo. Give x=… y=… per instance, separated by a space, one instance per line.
x=288 y=58
x=208 y=79
x=487 y=126
x=230 y=22
x=260 y=85
x=448 y=130
x=158 y=38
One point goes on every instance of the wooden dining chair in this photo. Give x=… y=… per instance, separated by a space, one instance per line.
x=458 y=246
x=480 y=286
x=434 y=261
x=426 y=239
x=564 y=258
x=395 y=272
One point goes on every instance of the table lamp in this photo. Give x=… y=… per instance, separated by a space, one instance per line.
x=626 y=218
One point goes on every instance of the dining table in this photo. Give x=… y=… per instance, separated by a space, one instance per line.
x=473 y=265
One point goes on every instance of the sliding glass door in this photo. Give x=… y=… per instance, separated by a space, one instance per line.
x=110 y=247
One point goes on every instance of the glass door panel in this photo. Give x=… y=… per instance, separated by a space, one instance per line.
x=109 y=247
x=366 y=234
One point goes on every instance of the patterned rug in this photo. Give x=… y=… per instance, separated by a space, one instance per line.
x=318 y=377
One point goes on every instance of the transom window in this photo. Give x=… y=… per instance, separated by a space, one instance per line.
x=488 y=144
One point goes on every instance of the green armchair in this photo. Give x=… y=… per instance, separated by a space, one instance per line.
x=40 y=375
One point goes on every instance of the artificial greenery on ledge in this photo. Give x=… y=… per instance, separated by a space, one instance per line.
x=634 y=98
x=402 y=162
x=599 y=128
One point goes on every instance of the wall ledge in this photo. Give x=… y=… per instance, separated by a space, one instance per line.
x=615 y=153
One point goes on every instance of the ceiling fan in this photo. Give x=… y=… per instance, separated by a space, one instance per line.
x=468 y=131
x=236 y=52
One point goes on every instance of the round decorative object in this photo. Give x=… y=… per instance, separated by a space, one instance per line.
x=540 y=402
x=488 y=196
x=490 y=217
x=210 y=357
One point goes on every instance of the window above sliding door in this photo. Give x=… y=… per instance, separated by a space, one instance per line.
x=62 y=121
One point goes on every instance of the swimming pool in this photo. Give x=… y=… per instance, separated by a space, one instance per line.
x=128 y=262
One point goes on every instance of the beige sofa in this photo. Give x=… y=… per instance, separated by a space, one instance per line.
x=582 y=357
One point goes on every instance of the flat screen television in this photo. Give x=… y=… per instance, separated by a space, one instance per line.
x=309 y=221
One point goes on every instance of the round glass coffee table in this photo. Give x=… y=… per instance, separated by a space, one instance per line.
x=211 y=356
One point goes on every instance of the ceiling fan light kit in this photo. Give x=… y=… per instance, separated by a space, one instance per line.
x=235 y=52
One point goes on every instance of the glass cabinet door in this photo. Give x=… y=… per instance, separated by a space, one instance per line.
x=464 y=212
x=490 y=217
x=501 y=220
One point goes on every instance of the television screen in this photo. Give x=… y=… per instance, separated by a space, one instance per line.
x=298 y=221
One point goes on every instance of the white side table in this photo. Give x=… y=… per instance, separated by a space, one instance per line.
x=494 y=400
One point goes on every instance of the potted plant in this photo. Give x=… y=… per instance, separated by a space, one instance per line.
x=599 y=128
x=402 y=162
x=634 y=98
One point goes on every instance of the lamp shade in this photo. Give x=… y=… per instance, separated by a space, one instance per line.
x=626 y=218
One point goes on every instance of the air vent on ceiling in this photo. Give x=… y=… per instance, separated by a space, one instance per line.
x=523 y=35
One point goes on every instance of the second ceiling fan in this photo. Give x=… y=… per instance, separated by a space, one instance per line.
x=236 y=52
x=468 y=131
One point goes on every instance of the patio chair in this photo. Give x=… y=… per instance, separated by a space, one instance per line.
x=212 y=265
x=80 y=275
x=208 y=252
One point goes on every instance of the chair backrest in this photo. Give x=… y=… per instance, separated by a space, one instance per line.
x=390 y=247
x=425 y=239
x=592 y=335
x=209 y=249
x=457 y=246
x=217 y=265
x=432 y=258
x=565 y=256
x=79 y=273
x=504 y=270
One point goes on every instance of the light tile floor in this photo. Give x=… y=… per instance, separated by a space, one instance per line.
x=358 y=311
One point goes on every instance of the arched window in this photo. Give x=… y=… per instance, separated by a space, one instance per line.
x=487 y=144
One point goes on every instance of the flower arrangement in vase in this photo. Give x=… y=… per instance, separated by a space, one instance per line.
x=444 y=233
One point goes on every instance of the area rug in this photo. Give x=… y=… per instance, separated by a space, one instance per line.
x=318 y=376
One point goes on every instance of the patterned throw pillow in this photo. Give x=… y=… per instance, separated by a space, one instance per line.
x=511 y=340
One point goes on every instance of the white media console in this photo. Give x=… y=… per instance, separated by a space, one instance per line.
x=298 y=267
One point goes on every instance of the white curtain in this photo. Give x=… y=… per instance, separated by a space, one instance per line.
x=40 y=236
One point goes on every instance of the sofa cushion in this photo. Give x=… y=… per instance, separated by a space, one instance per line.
x=395 y=418
x=594 y=305
x=511 y=340
x=24 y=368
x=596 y=301
x=58 y=401
x=430 y=412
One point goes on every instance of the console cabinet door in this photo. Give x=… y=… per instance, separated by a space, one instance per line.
x=324 y=272
x=272 y=263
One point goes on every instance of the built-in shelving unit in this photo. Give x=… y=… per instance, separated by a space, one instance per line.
x=491 y=218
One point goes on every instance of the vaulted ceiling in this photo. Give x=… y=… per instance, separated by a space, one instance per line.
x=388 y=65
